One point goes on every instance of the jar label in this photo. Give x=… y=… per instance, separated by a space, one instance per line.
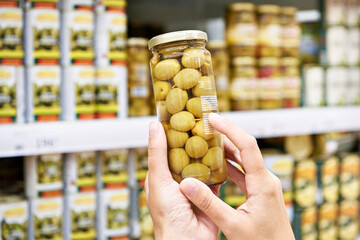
x=335 y=12
x=308 y=223
x=349 y=177
x=353 y=49
x=243 y=88
x=336 y=42
x=336 y=90
x=292 y=87
x=314 y=90
x=270 y=88
x=305 y=184
x=291 y=36
x=243 y=34
x=353 y=92
x=270 y=35
x=348 y=219
x=327 y=221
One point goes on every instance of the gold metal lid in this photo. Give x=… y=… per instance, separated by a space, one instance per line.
x=135 y=41
x=289 y=61
x=177 y=36
x=268 y=8
x=215 y=44
x=241 y=6
x=238 y=61
x=272 y=61
x=288 y=10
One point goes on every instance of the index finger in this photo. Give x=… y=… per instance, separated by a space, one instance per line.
x=249 y=151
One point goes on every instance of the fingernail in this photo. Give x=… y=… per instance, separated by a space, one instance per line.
x=153 y=129
x=215 y=117
x=191 y=188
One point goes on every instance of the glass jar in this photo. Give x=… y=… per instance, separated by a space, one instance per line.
x=270 y=84
x=292 y=83
x=291 y=32
x=220 y=59
x=138 y=77
x=269 y=37
x=185 y=95
x=243 y=89
x=241 y=29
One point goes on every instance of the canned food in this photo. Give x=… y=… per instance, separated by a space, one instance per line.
x=336 y=86
x=328 y=214
x=290 y=32
x=335 y=12
x=300 y=147
x=305 y=183
x=349 y=177
x=184 y=89
x=243 y=88
x=314 y=82
x=292 y=83
x=269 y=37
x=114 y=168
x=328 y=180
x=305 y=223
x=14 y=218
x=348 y=219
x=352 y=47
x=241 y=29
x=282 y=166
x=141 y=164
x=270 y=84
x=336 y=45
x=353 y=94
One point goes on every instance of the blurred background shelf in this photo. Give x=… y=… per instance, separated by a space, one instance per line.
x=66 y=137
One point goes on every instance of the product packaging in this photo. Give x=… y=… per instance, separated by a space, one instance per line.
x=43 y=93
x=328 y=180
x=141 y=165
x=109 y=5
x=43 y=176
x=12 y=94
x=111 y=90
x=348 y=220
x=42 y=28
x=146 y=223
x=80 y=172
x=327 y=221
x=80 y=216
x=281 y=166
x=48 y=4
x=46 y=219
x=78 y=96
x=305 y=183
x=335 y=12
x=113 y=214
x=300 y=147
x=336 y=86
x=114 y=169
x=110 y=38
x=313 y=86
x=305 y=223
x=14 y=216
x=70 y=5
x=353 y=47
x=336 y=45
x=11 y=36
x=77 y=32
x=353 y=87
x=349 y=176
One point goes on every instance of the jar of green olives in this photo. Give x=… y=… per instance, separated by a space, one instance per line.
x=291 y=80
x=243 y=88
x=269 y=38
x=185 y=95
x=241 y=29
x=291 y=32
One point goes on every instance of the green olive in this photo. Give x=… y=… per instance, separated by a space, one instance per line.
x=193 y=58
x=162 y=111
x=196 y=170
x=219 y=175
x=176 y=139
x=176 y=100
x=199 y=130
x=214 y=158
x=205 y=87
x=166 y=69
x=176 y=177
x=216 y=141
x=178 y=159
x=182 y=121
x=161 y=89
x=194 y=106
x=187 y=78
x=196 y=147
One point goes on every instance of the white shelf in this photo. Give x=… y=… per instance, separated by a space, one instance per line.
x=53 y=137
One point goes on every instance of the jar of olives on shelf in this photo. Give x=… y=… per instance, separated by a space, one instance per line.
x=220 y=59
x=270 y=84
x=138 y=77
x=185 y=95
x=269 y=38
x=291 y=32
x=241 y=29
x=292 y=83
x=243 y=88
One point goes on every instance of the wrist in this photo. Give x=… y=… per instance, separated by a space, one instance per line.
x=174 y=234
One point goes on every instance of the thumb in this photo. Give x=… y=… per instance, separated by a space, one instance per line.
x=204 y=199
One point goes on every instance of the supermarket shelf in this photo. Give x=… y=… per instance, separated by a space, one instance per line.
x=42 y=138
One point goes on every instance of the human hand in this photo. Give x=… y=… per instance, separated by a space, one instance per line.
x=173 y=214
x=263 y=216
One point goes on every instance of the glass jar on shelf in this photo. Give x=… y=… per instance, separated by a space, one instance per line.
x=241 y=29
x=269 y=37
x=243 y=88
x=220 y=60
x=138 y=77
x=270 y=84
x=292 y=83
x=291 y=32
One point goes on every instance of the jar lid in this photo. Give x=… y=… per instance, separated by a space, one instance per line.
x=243 y=61
x=288 y=10
x=177 y=36
x=268 y=8
x=241 y=6
x=135 y=41
x=272 y=61
x=289 y=61
x=215 y=44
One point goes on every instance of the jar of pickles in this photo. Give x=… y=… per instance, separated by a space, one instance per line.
x=269 y=38
x=270 y=84
x=220 y=59
x=292 y=83
x=243 y=89
x=291 y=32
x=138 y=77
x=185 y=95
x=241 y=29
